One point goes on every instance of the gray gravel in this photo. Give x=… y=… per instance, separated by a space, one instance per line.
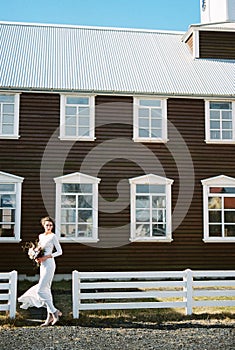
x=185 y=336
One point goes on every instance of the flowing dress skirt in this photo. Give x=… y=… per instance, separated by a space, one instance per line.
x=40 y=294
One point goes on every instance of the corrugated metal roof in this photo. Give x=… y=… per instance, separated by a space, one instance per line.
x=92 y=59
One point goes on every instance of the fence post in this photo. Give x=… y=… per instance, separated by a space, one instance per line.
x=76 y=294
x=12 y=293
x=188 y=278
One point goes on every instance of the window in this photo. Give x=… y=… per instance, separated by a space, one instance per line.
x=9 y=115
x=150 y=120
x=151 y=208
x=10 y=207
x=77 y=118
x=77 y=207
x=220 y=121
x=219 y=209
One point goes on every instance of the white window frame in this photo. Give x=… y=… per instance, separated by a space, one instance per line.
x=6 y=178
x=77 y=178
x=217 y=181
x=136 y=106
x=153 y=180
x=15 y=134
x=91 y=136
x=207 y=123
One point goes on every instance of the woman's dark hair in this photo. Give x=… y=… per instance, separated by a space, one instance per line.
x=47 y=218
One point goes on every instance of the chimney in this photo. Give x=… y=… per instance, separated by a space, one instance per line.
x=214 y=11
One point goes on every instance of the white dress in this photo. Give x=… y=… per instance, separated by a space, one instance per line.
x=40 y=294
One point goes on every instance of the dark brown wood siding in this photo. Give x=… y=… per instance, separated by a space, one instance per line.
x=115 y=158
x=216 y=44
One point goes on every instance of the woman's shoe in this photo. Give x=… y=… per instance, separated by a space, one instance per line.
x=56 y=316
x=48 y=320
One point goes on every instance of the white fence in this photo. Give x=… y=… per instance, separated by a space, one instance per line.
x=8 y=292
x=174 y=289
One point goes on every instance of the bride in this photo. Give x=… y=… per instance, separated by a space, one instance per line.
x=40 y=294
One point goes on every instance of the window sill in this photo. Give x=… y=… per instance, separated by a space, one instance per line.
x=217 y=142
x=219 y=240
x=158 y=240
x=8 y=137
x=9 y=240
x=152 y=140
x=78 y=240
x=63 y=138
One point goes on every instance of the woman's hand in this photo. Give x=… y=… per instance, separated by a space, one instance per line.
x=43 y=258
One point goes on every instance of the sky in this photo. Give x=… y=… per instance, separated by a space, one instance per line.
x=176 y=15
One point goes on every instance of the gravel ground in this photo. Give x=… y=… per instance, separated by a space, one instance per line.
x=192 y=335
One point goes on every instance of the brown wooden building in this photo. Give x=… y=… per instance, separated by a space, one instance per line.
x=126 y=138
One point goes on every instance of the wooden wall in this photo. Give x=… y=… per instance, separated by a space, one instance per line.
x=217 y=44
x=39 y=121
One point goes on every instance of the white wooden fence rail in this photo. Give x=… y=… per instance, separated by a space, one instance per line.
x=8 y=292
x=175 y=289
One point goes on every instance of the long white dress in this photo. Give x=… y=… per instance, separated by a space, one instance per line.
x=40 y=294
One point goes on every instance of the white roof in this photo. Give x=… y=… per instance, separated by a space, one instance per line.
x=107 y=60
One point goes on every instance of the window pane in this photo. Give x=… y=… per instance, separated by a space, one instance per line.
x=229 y=216
x=156 y=123
x=68 y=215
x=227 y=115
x=214 y=115
x=153 y=103
x=83 y=131
x=159 y=230
x=156 y=133
x=68 y=230
x=214 y=203
x=8 y=108
x=7 y=98
x=229 y=231
x=215 y=216
x=142 y=202
x=142 y=216
x=85 y=230
x=8 y=200
x=158 y=216
x=150 y=188
x=8 y=129
x=71 y=111
x=143 y=230
x=77 y=100
x=220 y=105
x=85 y=216
x=84 y=111
x=215 y=135
x=143 y=113
x=8 y=119
x=229 y=203
x=144 y=123
x=158 y=202
x=143 y=133
x=227 y=125
x=215 y=230
x=84 y=121
x=156 y=113
x=7 y=187
x=215 y=125
x=68 y=201
x=70 y=131
x=227 y=135
x=84 y=201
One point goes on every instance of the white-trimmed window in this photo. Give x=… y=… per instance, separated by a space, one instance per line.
x=9 y=115
x=151 y=208
x=10 y=207
x=77 y=208
x=220 y=121
x=150 y=120
x=77 y=117
x=219 y=209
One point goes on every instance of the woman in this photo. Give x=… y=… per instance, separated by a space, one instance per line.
x=40 y=294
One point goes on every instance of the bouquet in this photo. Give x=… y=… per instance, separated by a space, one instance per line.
x=34 y=250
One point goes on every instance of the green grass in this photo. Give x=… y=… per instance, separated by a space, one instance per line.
x=62 y=292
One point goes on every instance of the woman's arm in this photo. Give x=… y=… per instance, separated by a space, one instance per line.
x=57 y=247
